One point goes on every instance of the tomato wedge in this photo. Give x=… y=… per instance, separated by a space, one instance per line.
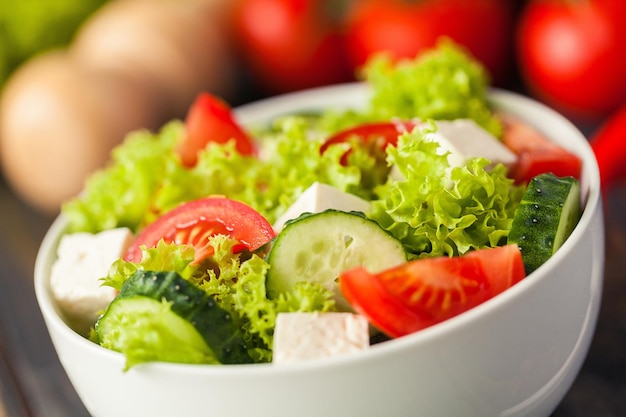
x=380 y=134
x=210 y=119
x=424 y=292
x=536 y=154
x=194 y=222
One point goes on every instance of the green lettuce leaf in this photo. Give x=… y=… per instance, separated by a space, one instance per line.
x=435 y=209
x=236 y=281
x=444 y=83
x=145 y=178
x=163 y=257
x=123 y=194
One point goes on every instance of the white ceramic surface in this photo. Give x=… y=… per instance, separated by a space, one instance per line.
x=515 y=355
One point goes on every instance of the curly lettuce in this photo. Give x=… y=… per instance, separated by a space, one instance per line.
x=444 y=83
x=146 y=179
x=125 y=193
x=236 y=281
x=435 y=209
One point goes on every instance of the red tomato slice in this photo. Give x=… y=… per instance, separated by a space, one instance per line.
x=194 y=222
x=418 y=294
x=369 y=297
x=537 y=154
x=211 y=120
x=380 y=134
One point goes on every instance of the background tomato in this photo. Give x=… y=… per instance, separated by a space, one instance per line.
x=405 y=28
x=571 y=54
x=290 y=45
x=609 y=145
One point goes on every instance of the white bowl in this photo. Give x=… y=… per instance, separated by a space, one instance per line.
x=515 y=355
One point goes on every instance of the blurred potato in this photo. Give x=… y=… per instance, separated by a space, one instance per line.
x=134 y=64
x=180 y=46
x=59 y=121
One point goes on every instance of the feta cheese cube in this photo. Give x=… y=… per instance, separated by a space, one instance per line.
x=319 y=197
x=303 y=336
x=464 y=139
x=83 y=259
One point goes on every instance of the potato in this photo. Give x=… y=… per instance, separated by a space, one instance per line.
x=59 y=121
x=180 y=46
x=134 y=64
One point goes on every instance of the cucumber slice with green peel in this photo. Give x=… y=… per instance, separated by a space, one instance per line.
x=548 y=212
x=214 y=324
x=318 y=247
x=147 y=330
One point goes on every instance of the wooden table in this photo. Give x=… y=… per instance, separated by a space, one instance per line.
x=33 y=384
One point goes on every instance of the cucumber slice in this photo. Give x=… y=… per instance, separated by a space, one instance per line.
x=318 y=247
x=548 y=212
x=146 y=330
x=213 y=323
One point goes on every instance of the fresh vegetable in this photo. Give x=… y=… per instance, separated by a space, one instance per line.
x=175 y=48
x=424 y=292
x=443 y=83
x=570 y=54
x=56 y=125
x=609 y=146
x=290 y=45
x=145 y=329
x=453 y=210
x=194 y=222
x=547 y=214
x=128 y=324
x=210 y=120
x=536 y=153
x=404 y=29
x=378 y=135
x=318 y=247
x=132 y=65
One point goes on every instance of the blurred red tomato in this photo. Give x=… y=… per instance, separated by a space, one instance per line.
x=404 y=28
x=609 y=145
x=571 y=54
x=290 y=44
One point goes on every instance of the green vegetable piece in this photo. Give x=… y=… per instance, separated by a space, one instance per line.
x=147 y=330
x=549 y=211
x=442 y=210
x=318 y=247
x=214 y=324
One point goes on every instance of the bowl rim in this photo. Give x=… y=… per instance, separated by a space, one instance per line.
x=262 y=111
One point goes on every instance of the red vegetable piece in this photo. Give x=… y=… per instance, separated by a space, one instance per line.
x=211 y=120
x=424 y=292
x=382 y=134
x=194 y=222
x=537 y=154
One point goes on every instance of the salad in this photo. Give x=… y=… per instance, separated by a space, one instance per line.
x=383 y=221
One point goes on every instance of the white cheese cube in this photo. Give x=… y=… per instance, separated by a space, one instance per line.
x=83 y=259
x=319 y=197
x=464 y=139
x=303 y=336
